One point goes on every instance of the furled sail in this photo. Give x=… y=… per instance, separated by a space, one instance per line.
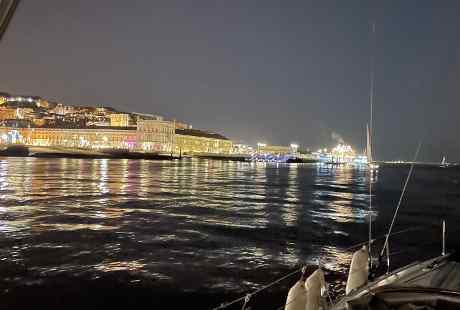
x=368 y=147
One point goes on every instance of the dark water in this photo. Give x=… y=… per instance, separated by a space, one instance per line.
x=117 y=233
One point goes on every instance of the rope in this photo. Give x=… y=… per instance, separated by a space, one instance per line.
x=246 y=300
x=225 y=305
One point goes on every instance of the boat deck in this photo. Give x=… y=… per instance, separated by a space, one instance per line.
x=434 y=283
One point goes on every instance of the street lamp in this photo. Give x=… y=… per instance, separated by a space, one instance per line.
x=294 y=148
x=259 y=145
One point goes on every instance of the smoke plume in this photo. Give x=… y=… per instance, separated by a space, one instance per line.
x=337 y=138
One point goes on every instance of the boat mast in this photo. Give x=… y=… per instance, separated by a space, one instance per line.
x=369 y=141
x=371 y=92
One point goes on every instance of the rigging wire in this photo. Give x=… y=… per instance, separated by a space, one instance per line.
x=401 y=198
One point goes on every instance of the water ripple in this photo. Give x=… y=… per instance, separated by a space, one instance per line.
x=218 y=223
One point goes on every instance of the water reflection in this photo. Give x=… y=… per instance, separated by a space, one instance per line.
x=339 y=190
x=200 y=219
x=341 y=201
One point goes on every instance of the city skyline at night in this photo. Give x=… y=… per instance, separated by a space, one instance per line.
x=254 y=71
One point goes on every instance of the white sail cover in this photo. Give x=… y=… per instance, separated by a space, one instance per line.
x=368 y=147
x=359 y=270
x=307 y=295
x=314 y=284
x=297 y=297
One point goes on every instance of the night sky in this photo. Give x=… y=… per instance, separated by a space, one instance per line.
x=269 y=71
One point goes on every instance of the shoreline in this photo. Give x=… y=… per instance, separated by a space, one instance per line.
x=46 y=152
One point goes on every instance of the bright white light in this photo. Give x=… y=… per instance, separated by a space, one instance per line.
x=294 y=145
x=259 y=144
x=342 y=148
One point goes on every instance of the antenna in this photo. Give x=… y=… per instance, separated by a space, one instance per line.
x=401 y=198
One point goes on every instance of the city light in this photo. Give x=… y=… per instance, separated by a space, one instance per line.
x=34 y=121
x=342 y=149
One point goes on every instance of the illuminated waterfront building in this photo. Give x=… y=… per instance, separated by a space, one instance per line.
x=153 y=136
x=197 y=142
x=35 y=122
x=275 y=153
x=273 y=149
x=88 y=138
x=156 y=135
x=343 y=153
x=243 y=149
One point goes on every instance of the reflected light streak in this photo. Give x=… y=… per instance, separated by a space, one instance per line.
x=120 y=266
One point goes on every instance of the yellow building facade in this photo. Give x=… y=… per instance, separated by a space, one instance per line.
x=156 y=135
x=119 y=119
x=153 y=138
x=7 y=113
x=197 y=142
x=72 y=138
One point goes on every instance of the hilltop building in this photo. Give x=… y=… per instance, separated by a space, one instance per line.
x=7 y=113
x=119 y=120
